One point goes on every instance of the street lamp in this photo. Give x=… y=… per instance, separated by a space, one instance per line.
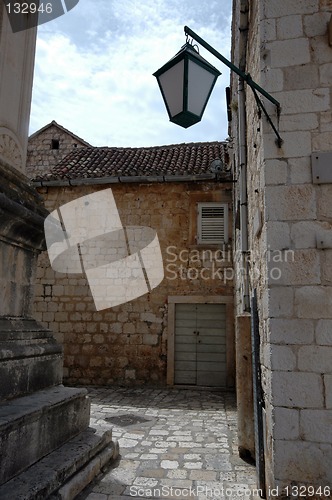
x=186 y=82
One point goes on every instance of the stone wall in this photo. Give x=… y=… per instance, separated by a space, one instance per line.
x=128 y=343
x=289 y=56
x=43 y=154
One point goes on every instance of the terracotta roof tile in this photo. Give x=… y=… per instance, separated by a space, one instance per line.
x=98 y=162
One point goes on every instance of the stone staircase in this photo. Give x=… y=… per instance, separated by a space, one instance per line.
x=47 y=448
x=66 y=471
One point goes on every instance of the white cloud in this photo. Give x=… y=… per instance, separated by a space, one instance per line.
x=96 y=80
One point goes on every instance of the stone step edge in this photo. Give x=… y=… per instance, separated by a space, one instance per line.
x=26 y=408
x=77 y=483
x=65 y=472
x=16 y=352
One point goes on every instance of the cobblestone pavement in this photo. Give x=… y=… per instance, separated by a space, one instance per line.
x=174 y=444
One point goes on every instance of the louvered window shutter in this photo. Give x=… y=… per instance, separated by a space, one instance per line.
x=212 y=223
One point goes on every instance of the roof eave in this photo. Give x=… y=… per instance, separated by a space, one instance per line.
x=127 y=180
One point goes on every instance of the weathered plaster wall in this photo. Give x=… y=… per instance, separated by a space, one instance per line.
x=289 y=55
x=128 y=343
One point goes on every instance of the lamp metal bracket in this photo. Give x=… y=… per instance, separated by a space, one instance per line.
x=245 y=76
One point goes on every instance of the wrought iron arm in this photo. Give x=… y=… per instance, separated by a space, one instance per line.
x=245 y=76
x=261 y=106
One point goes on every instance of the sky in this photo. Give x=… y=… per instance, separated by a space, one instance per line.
x=94 y=66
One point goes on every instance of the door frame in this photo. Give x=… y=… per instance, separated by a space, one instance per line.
x=230 y=338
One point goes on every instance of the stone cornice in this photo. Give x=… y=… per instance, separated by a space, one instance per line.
x=22 y=214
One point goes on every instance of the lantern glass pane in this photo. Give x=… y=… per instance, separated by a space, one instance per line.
x=199 y=87
x=172 y=85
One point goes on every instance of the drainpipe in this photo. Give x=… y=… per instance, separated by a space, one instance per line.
x=244 y=8
x=243 y=195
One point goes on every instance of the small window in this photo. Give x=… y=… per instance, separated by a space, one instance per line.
x=212 y=224
x=55 y=144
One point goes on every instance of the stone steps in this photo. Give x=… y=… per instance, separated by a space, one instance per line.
x=32 y=426
x=65 y=472
x=30 y=358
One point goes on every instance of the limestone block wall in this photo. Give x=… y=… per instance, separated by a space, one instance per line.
x=42 y=152
x=290 y=56
x=127 y=344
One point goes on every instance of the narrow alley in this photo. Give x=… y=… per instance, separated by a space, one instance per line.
x=174 y=444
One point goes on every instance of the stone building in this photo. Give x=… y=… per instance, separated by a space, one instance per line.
x=283 y=241
x=49 y=145
x=182 y=331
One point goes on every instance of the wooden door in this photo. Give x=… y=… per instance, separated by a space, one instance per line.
x=200 y=345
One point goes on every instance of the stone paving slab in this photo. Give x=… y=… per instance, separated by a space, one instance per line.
x=174 y=444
